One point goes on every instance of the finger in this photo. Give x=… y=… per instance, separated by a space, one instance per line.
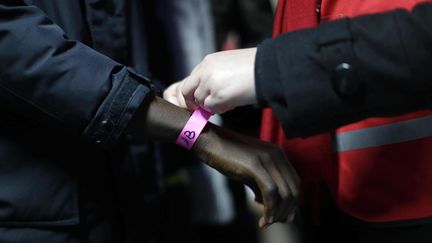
x=258 y=183
x=216 y=105
x=283 y=187
x=270 y=196
x=291 y=178
x=190 y=84
x=289 y=174
x=262 y=223
x=291 y=211
x=290 y=218
x=201 y=93
x=170 y=95
x=287 y=171
x=180 y=99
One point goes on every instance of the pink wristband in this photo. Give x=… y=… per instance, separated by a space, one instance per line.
x=193 y=128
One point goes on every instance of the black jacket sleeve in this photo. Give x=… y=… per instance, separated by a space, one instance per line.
x=46 y=77
x=346 y=70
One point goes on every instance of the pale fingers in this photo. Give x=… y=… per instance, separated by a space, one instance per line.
x=190 y=84
x=180 y=99
x=170 y=94
x=201 y=93
x=215 y=105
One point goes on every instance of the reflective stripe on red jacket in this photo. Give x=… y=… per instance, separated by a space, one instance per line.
x=379 y=169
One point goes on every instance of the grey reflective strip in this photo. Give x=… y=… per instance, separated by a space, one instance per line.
x=383 y=135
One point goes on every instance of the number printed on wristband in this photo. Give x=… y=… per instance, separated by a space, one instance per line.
x=193 y=128
x=188 y=137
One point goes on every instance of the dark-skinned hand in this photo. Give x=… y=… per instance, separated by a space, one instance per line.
x=260 y=165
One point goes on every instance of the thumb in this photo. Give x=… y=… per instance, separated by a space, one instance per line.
x=170 y=95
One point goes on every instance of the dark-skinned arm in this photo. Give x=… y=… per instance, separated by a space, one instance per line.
x=68 y=87
x=261 y=166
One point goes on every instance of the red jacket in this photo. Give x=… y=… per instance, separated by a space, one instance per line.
x=381 y=169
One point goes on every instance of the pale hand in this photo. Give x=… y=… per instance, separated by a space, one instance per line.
x=173 y=94
x=221 y=82
x=260 y=165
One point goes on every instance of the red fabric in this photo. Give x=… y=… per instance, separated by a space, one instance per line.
x=315 y=164
x=385 y=183
x=332 y=9
x=293 y=15
x=378 y=121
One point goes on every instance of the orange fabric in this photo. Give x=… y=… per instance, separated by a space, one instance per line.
x=386 y=183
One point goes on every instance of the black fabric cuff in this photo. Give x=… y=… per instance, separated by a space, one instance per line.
x=316 y=80
x=266 y=73
x=295 y=77
x=129 y=92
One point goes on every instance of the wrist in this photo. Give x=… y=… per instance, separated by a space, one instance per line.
x=205 y=142
x=159 y=120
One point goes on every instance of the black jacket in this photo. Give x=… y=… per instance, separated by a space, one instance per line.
x=64 y=107
x=346 y=70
